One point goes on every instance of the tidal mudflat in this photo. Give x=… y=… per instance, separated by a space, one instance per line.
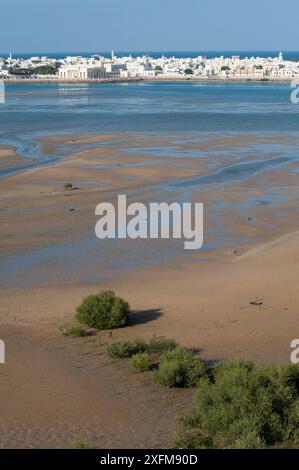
x=246 y=174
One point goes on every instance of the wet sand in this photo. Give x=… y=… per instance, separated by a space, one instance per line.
x=55 y=390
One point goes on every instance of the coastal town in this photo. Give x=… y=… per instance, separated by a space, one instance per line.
x=145 y=67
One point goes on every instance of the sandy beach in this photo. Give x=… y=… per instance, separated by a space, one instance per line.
x=57 y=390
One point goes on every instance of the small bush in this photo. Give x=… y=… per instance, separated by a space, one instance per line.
x=180 y=368
x=68 y=186
x=244 y=406
x=75 y=331
x=126 y=348
x=160 y=345
x=141 y=362
x=103 y=311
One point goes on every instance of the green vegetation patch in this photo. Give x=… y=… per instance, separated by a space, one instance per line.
x=75 y=331
x=126 y=348
x=243 y=406
x=103 y=311
x=160 y=345
x=141 y=362
x=179 y=367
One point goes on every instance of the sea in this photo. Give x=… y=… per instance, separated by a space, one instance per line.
x=33 y=110
x=288 y=55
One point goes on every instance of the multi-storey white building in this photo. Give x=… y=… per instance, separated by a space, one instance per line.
x=81 y=72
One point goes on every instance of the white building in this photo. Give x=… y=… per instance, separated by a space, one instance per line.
x=81 y=72
x=113 y=70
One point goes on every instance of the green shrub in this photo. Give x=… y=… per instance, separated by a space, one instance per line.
x=68 y=186
x=126 y=348
x=141 y=361
x=179 y=368
x=243 y=406
x=74 y=330
x=103 y=311
x=160 y=345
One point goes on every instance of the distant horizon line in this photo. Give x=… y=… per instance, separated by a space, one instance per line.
x=148 y=51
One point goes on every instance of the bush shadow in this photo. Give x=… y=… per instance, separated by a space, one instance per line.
x=139 y=317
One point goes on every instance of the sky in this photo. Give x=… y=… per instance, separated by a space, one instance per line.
x=148 y=25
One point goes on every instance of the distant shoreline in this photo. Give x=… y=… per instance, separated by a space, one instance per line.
x=58 y=80
x=289 y=54
x=141 y=79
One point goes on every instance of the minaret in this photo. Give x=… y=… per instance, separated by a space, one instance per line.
x=112 y=55
x=280 y=57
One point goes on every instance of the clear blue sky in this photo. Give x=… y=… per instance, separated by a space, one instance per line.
x=130 y=25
